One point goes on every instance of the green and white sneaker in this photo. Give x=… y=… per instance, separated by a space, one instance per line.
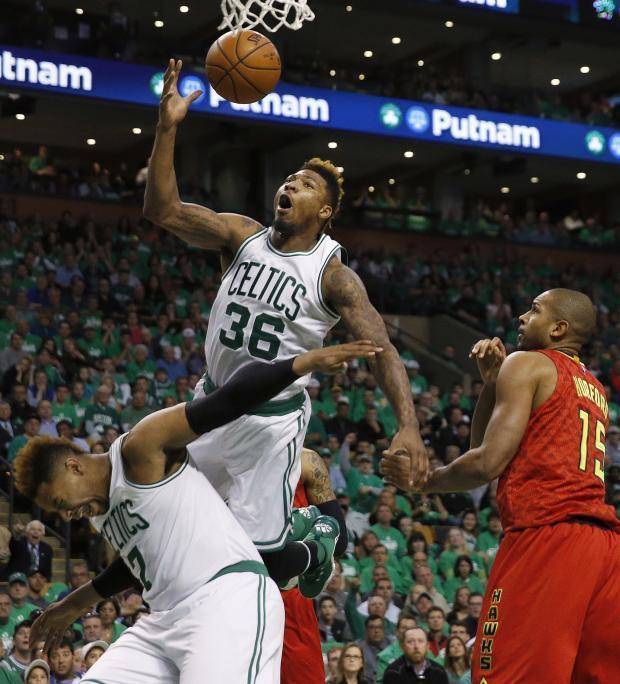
x=324 y=533
x=302 y=520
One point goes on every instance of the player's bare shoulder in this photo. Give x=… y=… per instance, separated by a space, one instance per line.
x=529 y=367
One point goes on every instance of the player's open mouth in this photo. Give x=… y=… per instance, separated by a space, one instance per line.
x=284 y=203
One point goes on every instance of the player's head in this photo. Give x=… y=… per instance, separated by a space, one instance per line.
x=60 y=477
x=557 y=318
x=309 y=199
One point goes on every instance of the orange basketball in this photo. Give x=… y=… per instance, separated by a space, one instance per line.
x=243 y=66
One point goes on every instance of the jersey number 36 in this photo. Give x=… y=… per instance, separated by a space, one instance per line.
x=263 y=342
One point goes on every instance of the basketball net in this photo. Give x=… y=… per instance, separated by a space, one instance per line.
x=270 y=14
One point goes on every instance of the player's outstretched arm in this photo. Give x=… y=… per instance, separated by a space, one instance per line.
x=196 y=225
x=343 y=289
x=171 y=429
x=51 y=625
x=516 y=388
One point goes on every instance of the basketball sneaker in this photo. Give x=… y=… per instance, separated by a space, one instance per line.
x=324 y=533
x=302 y=520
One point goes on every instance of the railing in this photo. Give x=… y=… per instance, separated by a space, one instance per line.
x=9 y=495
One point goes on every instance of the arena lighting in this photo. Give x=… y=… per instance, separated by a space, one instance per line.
x=368 y=53
x=1 y=157
x=79 y=10
x=582 y=175
x=361 y=77
x=349 y=8
x=332 y=145
x=496 y=56
x=158 y=23
x=371 y=188
x=420 y=62
x=585 y=69
x=136 y=130
x=555 y=81
x=91 y=141
x=391 y=181
x=332 y=72
x=340 y=169
x=449 y=24
x=184 y=9
x=408 y=154
x=467 y=172
x=396 y=40
x=534 y=179
x=505 y=190
x=20 y=117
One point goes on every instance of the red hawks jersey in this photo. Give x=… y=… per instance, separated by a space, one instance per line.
x=558 y=472
x=301 y=498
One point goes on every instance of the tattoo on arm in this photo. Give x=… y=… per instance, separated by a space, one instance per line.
x=316 y=479
x=344 y=290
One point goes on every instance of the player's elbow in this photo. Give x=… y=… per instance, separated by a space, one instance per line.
x=160 y=215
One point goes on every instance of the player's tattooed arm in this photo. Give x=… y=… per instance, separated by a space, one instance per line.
x=197 y=225
x=315 y=476
x=344 y=291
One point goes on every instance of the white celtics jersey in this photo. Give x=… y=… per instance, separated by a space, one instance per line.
x=174 y=535
x=269 y=307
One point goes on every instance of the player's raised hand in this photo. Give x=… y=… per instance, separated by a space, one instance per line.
x=489 y=355
x=334 y=359
x=172 y=106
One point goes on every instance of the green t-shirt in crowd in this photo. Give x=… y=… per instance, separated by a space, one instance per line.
x=32 y=344
x=386 y=657
x=10 y=672
x=6 y=633
x=96 y=414
x=53 y=591
x=16 y=444
x=65 y=411
x=487 y=541
x=21 y=613
x=392 y=539
x=130 y=416
x=135 y=370
x=362 y=502
x=447 y=559
x=474 y=584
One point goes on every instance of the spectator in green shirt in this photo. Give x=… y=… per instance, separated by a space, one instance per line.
x=488 y=542
x=99 y=415
x=389 y=536
x=31 y=429
x=135 y=411
x=19 y=658
x=455 y=547
x=463 y=577
x=91 y=343
x=141 y=364
x=18 y=591
x=7 y=624
x=62 y=408
x=363 y=486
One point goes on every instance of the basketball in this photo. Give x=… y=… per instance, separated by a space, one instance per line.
x=243 y=66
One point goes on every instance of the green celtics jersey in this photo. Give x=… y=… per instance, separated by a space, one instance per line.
x=269 y=307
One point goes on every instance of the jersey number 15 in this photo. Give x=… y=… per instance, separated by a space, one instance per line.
x=599 y=444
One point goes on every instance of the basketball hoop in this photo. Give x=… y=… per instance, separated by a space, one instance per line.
x=268 y=14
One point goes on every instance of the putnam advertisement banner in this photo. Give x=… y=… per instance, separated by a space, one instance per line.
x=51 y=72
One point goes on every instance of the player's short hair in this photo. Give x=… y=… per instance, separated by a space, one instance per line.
x=36 y=460
x=332 y=177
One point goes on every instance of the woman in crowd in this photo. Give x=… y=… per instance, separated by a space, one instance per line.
x=460 y=609
x=351 y=666
x=109 y=611
x=463 y=576
x=456 y=662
